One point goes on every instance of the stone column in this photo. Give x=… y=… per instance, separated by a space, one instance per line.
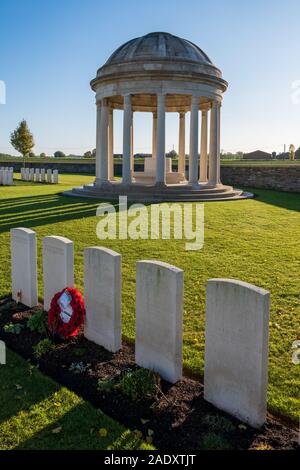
x=181 y=147
x=111 y=145
x=127 y=117
x=104 y=143
x=98 y=142
x=154 y=135
x=203 y=152
x=160 y=146
x=194 y=139
x=214 y=145
x=131 y=146
x=219 y=144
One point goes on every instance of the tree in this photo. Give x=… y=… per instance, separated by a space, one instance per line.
x=292 y=152
x=42 y=155
x=59 y=154
x=171 y=154
x=87 y=154
x=94 y=153
x=22 y=140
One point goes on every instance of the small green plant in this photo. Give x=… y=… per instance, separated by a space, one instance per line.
x=42 y=347
x=213 y=441
x=79 y=352
x=218 y=423
x=138 y=384
x=106 y=385
x=38 y=322
x=7 y=306
x=14 y=328
x=78 y=367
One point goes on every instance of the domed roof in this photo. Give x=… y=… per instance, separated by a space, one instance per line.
x=158 y=47
x=161 y=56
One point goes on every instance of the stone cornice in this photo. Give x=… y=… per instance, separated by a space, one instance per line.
x=219 y=83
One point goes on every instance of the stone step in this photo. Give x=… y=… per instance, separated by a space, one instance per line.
x=118 y=188
x=220 y=194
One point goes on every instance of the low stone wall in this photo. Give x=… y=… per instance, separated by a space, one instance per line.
x=83 y=168
x=264 y=177
x=284 y=178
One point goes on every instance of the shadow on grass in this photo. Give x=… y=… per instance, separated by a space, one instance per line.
x=42 y=210
x=40 y=414
x=285 y=200
x=33 y=211
x=17 y=378
x=78 y=429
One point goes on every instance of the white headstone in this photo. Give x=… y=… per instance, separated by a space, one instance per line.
x=10 y=177
x=58 y=266
x=31 y=174
x=102 y=296
x=49 y=176
x=43 y=175
x=159 y=309
x=1 y=176
x=37 y=175
x=26 y=174
x=236 y=349
x=55 y=176
x=4 y=177
x=23 y=266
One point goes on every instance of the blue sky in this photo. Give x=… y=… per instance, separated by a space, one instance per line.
x=50 y=50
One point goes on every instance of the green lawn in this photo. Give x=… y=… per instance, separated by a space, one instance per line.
x=40 y=414
x=254 y=240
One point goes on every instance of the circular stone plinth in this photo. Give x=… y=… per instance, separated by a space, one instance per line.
x=161 y=193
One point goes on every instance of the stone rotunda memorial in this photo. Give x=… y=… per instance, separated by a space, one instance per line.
x=160 y=73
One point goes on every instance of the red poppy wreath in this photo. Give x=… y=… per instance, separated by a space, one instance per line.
x=67 y=312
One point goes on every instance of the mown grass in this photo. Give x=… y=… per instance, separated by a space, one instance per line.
x=40 y=414
x=256 y=241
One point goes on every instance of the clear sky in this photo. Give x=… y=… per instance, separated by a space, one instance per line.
x=51 y=49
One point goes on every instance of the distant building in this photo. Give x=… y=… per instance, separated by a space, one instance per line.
x=283 y=156
x=257 y=155
x=286 y=155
